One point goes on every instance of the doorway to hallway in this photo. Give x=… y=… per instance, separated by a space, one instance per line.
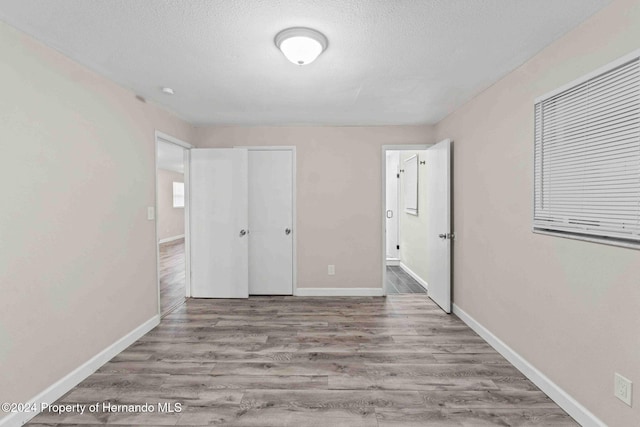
x=171 y=222
x=405 y=221
x=416 y=219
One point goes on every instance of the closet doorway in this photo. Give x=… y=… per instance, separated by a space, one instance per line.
x=242 y=222
x=271 y=224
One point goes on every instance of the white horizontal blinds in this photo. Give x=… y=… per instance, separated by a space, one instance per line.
x=587 y=157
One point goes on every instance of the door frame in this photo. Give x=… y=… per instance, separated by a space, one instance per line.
x=397 y=208
x=294 y=203
x=163 y=137
x=383 y=194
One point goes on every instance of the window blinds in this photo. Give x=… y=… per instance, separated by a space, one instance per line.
x=587 y=156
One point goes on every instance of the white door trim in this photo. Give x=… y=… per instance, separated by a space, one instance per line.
x=294 y=214
x=163 y=137
x=383 y=193
x=187 y=223
x=172 y=140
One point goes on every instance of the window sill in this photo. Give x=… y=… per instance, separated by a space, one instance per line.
x=592 y=239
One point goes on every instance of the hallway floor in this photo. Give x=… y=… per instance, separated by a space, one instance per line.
x=399 y=282
x=312 y=361
x=172 y=275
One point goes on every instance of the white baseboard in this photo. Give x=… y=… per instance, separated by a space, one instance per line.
x=393 y=262
x=339 y=292
x=170 y=239
x=58 y=389
x=579 y=413
x=411 y=273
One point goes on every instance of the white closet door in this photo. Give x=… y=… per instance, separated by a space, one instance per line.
x=438 y=209
x=271 y=222
x=219 y=231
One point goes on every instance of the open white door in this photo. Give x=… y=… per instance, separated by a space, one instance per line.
x=438 y=195
x=219 y=218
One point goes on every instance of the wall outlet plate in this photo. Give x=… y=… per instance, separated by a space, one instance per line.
x=622 y=388
x=331 y=270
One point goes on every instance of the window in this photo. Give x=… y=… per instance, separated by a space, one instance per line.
x=587 y=156
x=178 y=194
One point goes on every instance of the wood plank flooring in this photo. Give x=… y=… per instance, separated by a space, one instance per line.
x=172 y=275
x=399 y=282
x=295 y=361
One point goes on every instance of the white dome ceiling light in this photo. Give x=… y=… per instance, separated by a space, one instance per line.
x=301 y=45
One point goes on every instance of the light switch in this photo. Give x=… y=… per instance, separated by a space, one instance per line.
x=151 y=213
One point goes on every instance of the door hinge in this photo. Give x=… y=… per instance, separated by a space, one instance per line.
x=397 y=175
x=398 y=247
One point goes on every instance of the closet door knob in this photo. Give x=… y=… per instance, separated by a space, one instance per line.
x=287 y=231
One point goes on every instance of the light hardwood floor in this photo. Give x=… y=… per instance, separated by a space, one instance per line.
x=294 y=361
x=399 y=282
x=172 y=275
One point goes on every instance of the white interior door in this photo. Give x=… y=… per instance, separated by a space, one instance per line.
x=391 y=208
x=438 y=209
x=271 y=222
x=219 y=223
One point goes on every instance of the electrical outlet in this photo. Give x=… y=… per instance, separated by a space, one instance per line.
x=331 y=270
x=151 y=213
x=622 y=388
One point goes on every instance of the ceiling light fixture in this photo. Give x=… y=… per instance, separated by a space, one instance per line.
x=167 y=90
x=301 y=45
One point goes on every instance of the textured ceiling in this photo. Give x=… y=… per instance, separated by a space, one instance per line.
x=388 y=61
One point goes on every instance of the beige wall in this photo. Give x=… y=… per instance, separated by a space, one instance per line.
x=170 y=219
x=339 y=202
x=77 y=248
x=413 y=229
x=571 y=308
x=77 y=258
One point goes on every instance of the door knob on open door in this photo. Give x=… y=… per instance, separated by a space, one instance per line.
x=243 y=233
x=287 y=231
x=446 y=236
